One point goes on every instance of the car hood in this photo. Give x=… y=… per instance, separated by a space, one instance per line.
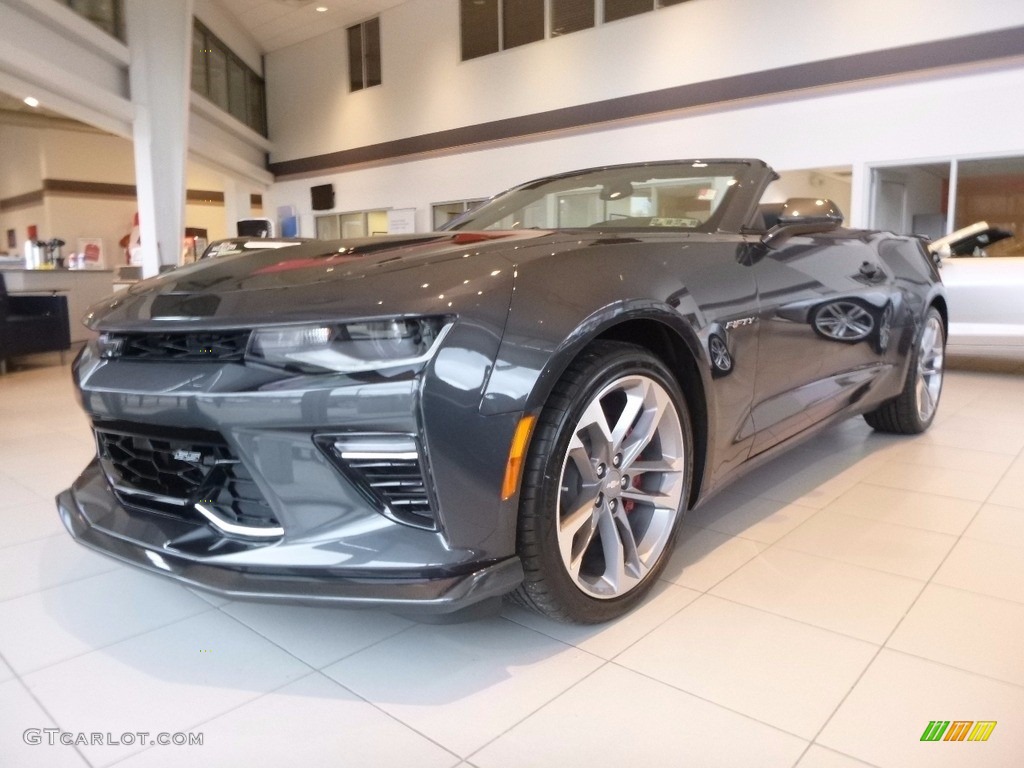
x=371 y=277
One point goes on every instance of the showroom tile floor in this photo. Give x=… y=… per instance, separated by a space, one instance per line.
x=818 y=614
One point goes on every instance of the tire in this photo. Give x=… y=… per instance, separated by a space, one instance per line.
x=913 y=410
x=607 y=478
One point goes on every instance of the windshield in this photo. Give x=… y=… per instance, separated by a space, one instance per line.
x=678 y=196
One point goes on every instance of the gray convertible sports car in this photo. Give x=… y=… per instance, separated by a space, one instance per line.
x=526 y=403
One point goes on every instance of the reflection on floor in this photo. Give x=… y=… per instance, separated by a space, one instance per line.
x=822 y=612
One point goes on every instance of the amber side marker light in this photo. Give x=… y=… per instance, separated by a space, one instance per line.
x=516 y=454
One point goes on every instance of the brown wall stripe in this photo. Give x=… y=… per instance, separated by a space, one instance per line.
x=22 y=201
x=970 y=49
x=204 y=197
x=98 y=189
x=69 y=187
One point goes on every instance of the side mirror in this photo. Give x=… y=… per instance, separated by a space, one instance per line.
x=803 y=216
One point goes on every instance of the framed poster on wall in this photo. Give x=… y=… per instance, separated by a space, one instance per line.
x=401 y=221
x=91 y=249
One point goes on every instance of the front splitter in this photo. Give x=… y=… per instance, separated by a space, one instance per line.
x=297 y=584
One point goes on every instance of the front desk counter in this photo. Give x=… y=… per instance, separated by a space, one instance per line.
x=83 y=287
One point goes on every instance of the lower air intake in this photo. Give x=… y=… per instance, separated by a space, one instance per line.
x=389 y=471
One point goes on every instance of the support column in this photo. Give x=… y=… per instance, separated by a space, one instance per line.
x=160 y=45
x=237 y=204
x=954 y=181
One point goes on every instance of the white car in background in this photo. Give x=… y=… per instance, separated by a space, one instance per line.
x=982 y=268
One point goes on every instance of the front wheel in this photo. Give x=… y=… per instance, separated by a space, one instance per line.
x=607 y=478
x=913 y=410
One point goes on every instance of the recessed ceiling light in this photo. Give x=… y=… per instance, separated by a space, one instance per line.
x=321 y=9
x=31 y=101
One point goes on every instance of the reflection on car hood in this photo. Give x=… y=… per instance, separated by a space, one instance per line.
x=408 y=274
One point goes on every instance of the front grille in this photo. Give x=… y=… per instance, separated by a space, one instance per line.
x=171 y=474
x=156 y=466
x=222 y=346
x=388 y=469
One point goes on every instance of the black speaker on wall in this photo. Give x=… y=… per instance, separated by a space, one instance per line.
x=322 y=196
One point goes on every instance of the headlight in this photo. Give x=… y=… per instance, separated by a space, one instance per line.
x=372 y=345
x=108 y=345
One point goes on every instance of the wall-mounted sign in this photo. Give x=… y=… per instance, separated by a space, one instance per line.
x=401 y=221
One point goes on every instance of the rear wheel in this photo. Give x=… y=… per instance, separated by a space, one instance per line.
x=913 y=410
x=606 y=481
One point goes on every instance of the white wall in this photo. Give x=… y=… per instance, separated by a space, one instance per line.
x=19 y=219
x=908 y=121
x=210 y=218
x=31 y=153
x=86 y=156
x=426 y=87
x=20 y=158
x=72 y=217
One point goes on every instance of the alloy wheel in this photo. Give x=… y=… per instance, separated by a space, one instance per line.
x=930 y=367
x=621 y=486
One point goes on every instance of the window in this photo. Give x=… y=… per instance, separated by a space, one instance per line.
x=256 y=100
x=364 y=68
x=344 y=226
x=571 y=16
x=226 y=80
x=445 y=212
x=480 y=28
x=489 y=26
x=236 y=90
x=522 y=22
x=217 y=77
x=108 y=15
x=199 y=81
x=620 y=9
x=917 y=199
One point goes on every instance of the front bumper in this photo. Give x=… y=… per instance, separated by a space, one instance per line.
x=244 y=481
x=430 y=591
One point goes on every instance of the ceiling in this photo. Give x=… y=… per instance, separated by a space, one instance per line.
x=280 y=23
x=273 y=24
x=14 y=111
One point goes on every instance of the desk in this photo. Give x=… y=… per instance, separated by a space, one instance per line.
x=83 y=287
